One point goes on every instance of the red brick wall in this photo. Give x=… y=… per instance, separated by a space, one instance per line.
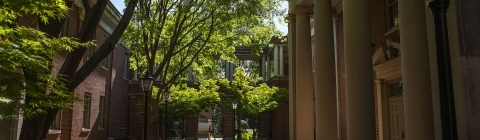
x=275 y=121
x=100 y=83
x=117 y=100
x=377 y=12
x=280 y=122
x=263 y=125
x=191 y=130
x=227 y=127
x=135 y=123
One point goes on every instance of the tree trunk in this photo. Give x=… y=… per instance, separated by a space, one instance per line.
x=32 y=127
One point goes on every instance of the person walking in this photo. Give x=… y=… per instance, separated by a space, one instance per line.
x=211 y=128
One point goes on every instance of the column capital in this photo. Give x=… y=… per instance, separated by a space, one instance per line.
x=302 y=10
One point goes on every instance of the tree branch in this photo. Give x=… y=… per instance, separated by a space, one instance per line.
x=106 y=48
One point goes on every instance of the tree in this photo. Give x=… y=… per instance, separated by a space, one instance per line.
x=253 y=98
x=51 y=15
x=25 y=50
x=188 y=102
x=169 y=37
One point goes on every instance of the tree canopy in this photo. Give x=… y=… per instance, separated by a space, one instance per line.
x=31 y=46
x=175 y=39
x=24 y=48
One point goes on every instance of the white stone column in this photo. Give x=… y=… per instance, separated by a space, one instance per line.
x=358 y=71
x=292 y=101
x=417 y=92
x=304 y=81
x=264 y=73
x=227 y=71
x=325 y=76
x=281 y=65
x=381 y=128
x=135 y=75
x=275 y=60
x=268 y=67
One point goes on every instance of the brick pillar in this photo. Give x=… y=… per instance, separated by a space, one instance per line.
x=135 y=124
x=263 y=125
x=191 y=128
x=280 y=122
x=228 y=124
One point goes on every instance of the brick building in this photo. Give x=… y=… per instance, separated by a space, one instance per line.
x=367 y=69
x=102 y=113
x=105 y=101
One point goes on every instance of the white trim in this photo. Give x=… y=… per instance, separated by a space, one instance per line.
x=54 y=131
x=85 y=130
x=106 y=27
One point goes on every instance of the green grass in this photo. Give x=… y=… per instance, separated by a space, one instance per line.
x=206 y=135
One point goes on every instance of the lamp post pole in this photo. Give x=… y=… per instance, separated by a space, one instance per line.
x=146 y=85
x=447 y=102
x=234 y=105
x=145 y=117
x=166 y=98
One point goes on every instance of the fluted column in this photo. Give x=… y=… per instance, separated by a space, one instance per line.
x=275 y=60
x=325 y=88
x=291 y=77
x=358 y=70
x=264 y=72
x=304 y=81
x=280 y=64
x=417 y=92
x=381 y=127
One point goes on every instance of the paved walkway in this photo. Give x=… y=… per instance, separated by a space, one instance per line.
x=210 y=139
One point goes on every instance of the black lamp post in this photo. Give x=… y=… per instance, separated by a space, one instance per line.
x=146 y=84
x=447 y=102
x=234 y=105
x=166 y=98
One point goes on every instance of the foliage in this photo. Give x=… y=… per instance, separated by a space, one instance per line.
x=243 y=126
x=254 y=98
x=28 y=49
x=44 y=9
x=174 y=39
x=247 y=135
x=217 y=117
x=187 y=101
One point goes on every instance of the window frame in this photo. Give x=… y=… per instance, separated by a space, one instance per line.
x=55 y=127
x=388 y=14
x=125 y=66
x=105 y=61
x=101 y=113
x=87 y=107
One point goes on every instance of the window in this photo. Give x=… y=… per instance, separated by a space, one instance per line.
x=64 y=30
x=396 y=88
x=90 y=51
x=392 y=13
x=56 y=122
x=86 y=110
x=125 y=66
x=101 y=110
x=105 y=61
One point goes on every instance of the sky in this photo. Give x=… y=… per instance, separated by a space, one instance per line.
x=282 y=27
